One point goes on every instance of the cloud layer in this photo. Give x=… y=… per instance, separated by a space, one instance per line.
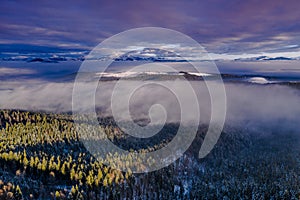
x=221 y=26
x=262 y=107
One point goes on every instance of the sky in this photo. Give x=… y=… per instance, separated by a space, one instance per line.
x=221 y=26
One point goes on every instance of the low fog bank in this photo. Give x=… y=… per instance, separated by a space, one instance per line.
x=263 y=108
x=257 y=107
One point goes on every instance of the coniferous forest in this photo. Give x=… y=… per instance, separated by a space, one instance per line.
x=42 y=157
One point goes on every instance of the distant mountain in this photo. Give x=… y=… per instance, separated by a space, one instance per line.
x=152 y=75
x=280 y=58
x=263 y=58
x=31 y=53
x=42 y=58
x=35 y=53
x=151 y=54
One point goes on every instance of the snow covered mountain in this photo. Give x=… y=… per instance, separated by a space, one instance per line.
x=43 y=54
x=265 y=58
x=150 y=54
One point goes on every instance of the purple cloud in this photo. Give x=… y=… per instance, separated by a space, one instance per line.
x=221 y=26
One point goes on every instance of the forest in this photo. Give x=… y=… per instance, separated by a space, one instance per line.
x=42 y=157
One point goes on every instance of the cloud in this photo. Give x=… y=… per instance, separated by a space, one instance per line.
x=263 y=108
x=267 y=108
x=222 y=26
x=7 y=71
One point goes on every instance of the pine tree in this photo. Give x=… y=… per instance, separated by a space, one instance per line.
x=58 y=164
x=100 y=175
x=44 y=164
x=39 y=166
x=18 y=191
x=105 y=182
x=32 y=162
x=63 y=169
x=36 y=161
x=89 y=180
x=57 y=195
x=73 y=190
x=72 y=174
x=25 y=161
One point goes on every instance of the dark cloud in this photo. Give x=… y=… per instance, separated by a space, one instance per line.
x=222 y=26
